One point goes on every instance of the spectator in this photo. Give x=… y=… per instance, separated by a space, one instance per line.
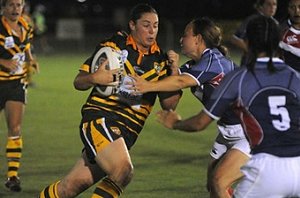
x=40 y=29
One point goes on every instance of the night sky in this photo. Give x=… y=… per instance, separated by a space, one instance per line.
x=98 y=14
x=225 y=9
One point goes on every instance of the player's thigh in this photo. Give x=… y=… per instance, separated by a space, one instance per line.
x=228 y=169
x=212 y=163
x=114 y=158
x=14 y=104
x=105 y=145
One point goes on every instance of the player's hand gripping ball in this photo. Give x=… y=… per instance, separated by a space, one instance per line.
x=116 y=60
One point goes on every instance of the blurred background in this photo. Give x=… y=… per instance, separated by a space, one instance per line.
x=78 y=25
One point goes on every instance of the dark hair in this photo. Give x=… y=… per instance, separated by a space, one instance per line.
x=138 y=10
x=263 y=36
x=210 y=32
x=3 y=2
x=259 y=3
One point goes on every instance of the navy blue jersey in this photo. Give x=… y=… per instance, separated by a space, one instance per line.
x=241 y=30
x=208 y=73
x=240 y=33
x=271 y=104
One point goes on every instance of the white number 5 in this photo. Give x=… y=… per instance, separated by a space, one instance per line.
x=276 y=104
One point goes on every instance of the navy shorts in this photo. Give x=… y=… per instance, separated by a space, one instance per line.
x=14 y=90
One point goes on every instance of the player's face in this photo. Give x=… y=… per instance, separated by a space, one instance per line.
x=145 y=30
x=13 y=9
x=188 y=42
x=269 y=8
x=294 y=12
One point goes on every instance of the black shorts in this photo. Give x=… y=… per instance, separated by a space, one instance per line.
x=14 y=90
x=98 y=133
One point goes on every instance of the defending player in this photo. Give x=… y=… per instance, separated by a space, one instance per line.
x=202 y=43
x=269 y=110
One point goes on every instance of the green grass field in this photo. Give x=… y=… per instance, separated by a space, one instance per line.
x=167 y=163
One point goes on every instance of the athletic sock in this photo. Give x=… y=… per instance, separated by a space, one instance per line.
x=50 y=191
x=107 y=189
x=13 y=154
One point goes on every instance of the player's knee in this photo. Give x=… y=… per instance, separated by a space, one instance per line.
x=126 y=175
x=14 y=130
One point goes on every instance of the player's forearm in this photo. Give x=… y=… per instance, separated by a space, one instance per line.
x=193 y=124
x=240 y=43
x=83 y=82
x=171 y=83
x=187 y=125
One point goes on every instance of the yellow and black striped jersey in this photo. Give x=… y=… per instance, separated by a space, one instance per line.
x=30 y=23
x=14 y=47
x=151 y=66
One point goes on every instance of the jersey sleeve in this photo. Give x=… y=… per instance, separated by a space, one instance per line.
x=117 y=41
x=203 y=71
x=241 y=30
x=223 y=96
x=86 y=66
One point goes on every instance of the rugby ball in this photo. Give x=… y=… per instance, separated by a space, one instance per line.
x=116 y=60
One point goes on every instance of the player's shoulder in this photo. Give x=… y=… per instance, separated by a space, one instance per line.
x=116 y=41
x=252 y=16
x=248 y=19
x=237 y=73
x=24 y=22
x=284 y=25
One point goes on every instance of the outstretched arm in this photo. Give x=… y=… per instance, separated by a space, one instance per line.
x=170 y=83
x=172 y=120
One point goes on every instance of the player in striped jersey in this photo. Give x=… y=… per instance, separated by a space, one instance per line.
x=290 y=41
x=14 y=55
x=202 y=43
x=266 y=96
x=111 y=125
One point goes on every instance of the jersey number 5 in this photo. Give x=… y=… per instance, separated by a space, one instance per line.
x=277 y=107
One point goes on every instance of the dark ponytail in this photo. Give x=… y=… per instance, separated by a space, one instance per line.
x=263 y=37
x=210 y=33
